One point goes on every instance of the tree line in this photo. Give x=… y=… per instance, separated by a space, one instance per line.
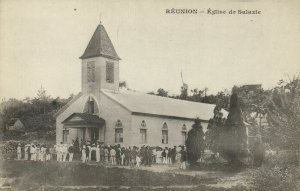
x=229 y=136
x=37 y=111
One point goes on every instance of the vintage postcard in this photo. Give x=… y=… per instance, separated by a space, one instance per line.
x=149 y=95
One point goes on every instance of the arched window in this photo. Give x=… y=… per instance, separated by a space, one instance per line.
x=119 y=131
x=184 y=134
x=119 y=124
x=91 y=106
x=164 y=132
x=143 y=132
x=143 y=124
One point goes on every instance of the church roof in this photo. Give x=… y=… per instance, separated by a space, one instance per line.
x=141 y=103
x=61 y=110
x=100 y=45
x=83 y=118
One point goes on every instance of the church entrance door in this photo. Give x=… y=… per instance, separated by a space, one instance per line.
x=94 y=135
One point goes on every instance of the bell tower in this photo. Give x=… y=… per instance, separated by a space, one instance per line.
x=100 y=64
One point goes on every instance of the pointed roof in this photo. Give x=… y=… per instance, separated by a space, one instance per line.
x=100 y=45
x=83 y=118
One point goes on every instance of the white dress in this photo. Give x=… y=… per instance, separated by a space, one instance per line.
x=158 y=157
x=33 y=153
x=98 y=154
x=83 y=155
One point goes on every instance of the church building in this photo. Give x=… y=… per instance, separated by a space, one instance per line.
x=103 y=112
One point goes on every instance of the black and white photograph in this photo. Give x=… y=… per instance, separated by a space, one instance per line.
x=169 y=95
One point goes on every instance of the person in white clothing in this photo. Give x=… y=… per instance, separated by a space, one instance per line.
x=83 y=154
x=167 y=154
x=122 y=157
x=19 y=151
x=138 y=161
x=98 y=153
x=106 y=153
x=33 y=152
x=71 y=152
x=37 y=152
x=42 y=155
x=26 y=149
x=58 y=152
x=48 y=155
x=158 y=156
x=64 y=152
x=113 y=156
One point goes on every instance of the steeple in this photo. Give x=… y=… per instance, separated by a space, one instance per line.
x=99 y=64
x=100 y=45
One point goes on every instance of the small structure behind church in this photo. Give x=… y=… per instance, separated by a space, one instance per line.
x=103 y=112
x=15 y=124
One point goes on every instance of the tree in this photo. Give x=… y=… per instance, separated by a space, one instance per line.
x=233 y=135
x=195 y=142
x=184 y=91
x=123 y=84
x=214 y=128
x=162 y=92
x=10 y=109
x=41 y=102
x=283 y=109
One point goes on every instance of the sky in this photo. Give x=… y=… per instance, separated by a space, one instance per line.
x=41 y=42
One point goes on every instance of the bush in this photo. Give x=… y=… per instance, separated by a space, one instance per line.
x=195 y=142
x=276 y=178
x=281 y=158
x=9 y=149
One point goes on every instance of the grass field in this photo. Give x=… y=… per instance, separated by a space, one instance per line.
x=29 y=175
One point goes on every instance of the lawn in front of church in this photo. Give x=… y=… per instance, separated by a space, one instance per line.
x=26 y=175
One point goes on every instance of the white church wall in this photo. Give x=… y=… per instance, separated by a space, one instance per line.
x=100 y=75
x=154 y=130
x=111 y=111
x=76 y=107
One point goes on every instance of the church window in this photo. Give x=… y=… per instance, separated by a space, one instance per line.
x=91 y=71
x=91 y=106
x=119 y=124
x=143 y=124
x=164 y=134
x=119 y=132
x=184 y=134
x=143 y=132
x=65 y=135
x=110 y=72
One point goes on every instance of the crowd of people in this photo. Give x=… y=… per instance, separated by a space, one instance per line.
x=107 y=154
x=34 y=152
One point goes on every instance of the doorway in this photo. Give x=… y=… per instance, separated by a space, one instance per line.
x=94 y=135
